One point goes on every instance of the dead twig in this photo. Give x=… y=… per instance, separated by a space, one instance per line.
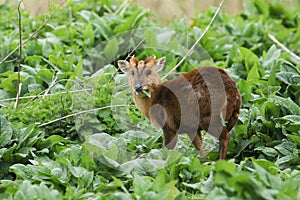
x=48 y=95
x=283 y=47
x=197 y=41
x=83 y=112
x=128 y=56
x=20 y=54
x=34 y=33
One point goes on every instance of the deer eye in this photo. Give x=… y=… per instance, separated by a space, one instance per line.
x=132 y=73
x=148 y=72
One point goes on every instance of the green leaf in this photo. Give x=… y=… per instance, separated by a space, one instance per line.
x=286 y=148
x=141 y=184
x=263 y=7
x=10 y=83
x=267 y=165
x=294 y=138
x=287 y=103
x=89 y=34
x=268 y=179
x=29 y=136
x=268 y=151
x=46 y=75
x=224 y=171
x=289 y=78
x=101 y=25
x=111 y=49
x=53 y=140
x=249 y=57
x=22 y=171
x=6 y=131
x=253 y=74
x=270 y=110
x=131 y=21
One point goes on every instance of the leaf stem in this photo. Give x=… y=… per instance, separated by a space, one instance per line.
x=33 y=34
x=283 y=47
x=83 y=112
x=197 y=41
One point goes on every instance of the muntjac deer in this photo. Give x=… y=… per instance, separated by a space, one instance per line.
x=203 y=99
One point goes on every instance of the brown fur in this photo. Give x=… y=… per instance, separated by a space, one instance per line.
x=203 y=99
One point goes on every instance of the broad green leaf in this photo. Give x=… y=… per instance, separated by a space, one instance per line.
x=89 y=34
x=107 y=161
x=150 y=38
x=6 y=131
x=111 y=49
x=289 y=78
x=245 y=89
x=294 y=138
x=287 y=103
x=101 y=24
x=289 y=68
x=22 y=171
x=160 y=180
x=171 y=190
x=249 y=57
x=226 y=167
x=285 y=159
x=29 y=136
x=267 y=165
x=46 y=75
x=53 y=140
x=270 y=110
x=10 y=83
x=253 y=74
x=173 y=156
x=263 y=7
x=131 y=21
x=141 y=184
x=224 y=171
x=286 y=148
x=8 y=155
x=268 y=151
x=268 y=179
x=290 y=122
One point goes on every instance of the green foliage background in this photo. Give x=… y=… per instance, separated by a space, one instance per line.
x=64 y=160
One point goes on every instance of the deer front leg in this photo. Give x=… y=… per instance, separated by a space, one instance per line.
x=224 y=143
x=170 y=138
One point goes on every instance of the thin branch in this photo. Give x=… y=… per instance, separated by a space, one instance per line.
x=83 y=112
x=53 y=83
x=34 y=33
x=197 y=41
x=48 y=95
x=128 y=56
x=20 y=54
x=123 y=7
x=44 y=91
x=283 y=47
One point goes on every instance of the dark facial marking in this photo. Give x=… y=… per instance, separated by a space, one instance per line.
x=148 y=72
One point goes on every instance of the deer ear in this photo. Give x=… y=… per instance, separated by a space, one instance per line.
x=124 y=65
x=160 y=63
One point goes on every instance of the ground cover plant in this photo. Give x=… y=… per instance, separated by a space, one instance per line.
x=75 y=135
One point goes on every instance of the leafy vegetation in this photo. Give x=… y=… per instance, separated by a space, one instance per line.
x=114 y=152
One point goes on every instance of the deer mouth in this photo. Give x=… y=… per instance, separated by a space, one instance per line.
x=146 y=92
x=143 y=91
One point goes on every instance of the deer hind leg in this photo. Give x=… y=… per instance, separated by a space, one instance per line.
x=197 y=142
x=224 y=143
x=170 y=138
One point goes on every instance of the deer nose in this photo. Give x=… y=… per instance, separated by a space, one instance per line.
x=138 y=88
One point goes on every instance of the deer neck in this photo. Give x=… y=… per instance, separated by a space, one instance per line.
x=143 y=102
